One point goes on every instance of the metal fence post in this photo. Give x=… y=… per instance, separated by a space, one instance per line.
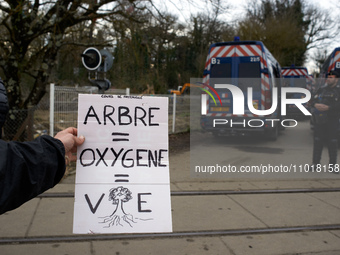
x=174 y=113
x=128 y=91
x=52 y=109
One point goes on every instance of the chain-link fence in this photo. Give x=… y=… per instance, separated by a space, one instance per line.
x=179 y=113
x=47 y=118
x=64 y=111
x=19 y=125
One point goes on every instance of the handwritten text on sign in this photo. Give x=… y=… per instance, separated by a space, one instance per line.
x=122 y=180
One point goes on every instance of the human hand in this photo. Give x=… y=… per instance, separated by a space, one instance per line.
x=321 y=107
x=70 y=140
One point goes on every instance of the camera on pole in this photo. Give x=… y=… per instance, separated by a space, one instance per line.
x=98 y=63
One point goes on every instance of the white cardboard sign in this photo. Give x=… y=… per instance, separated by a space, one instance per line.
x=122 y=177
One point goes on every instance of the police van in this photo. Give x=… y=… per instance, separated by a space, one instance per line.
x=241 y=64
x=332 y=63
x=295 y=77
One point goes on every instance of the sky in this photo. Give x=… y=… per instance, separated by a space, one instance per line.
x=183 y=9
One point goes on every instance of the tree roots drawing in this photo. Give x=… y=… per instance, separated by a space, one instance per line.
x=118 y=220
x=119 y=217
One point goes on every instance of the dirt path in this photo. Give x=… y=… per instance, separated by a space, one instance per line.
x=179 y=142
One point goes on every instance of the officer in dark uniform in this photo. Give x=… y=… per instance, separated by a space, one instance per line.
x=326 y=113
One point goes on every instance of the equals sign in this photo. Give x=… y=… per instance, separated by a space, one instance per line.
x=120 y=138
x=120 y=176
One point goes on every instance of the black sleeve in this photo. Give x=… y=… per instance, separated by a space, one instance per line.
x=334 y=107
x=28 y=169
x=314 y=98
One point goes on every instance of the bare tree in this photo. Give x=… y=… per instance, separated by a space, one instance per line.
x=33 y=32
x=320 y=57
x=289 y=28
x=322 y=28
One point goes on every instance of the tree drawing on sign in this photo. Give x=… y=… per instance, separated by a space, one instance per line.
x=119 y=217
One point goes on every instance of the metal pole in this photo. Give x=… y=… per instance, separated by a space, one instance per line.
x=174 y=114
x=52 y=109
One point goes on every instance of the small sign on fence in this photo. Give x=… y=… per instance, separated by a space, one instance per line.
x=122 y=178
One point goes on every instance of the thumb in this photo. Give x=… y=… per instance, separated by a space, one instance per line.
x=79 y=140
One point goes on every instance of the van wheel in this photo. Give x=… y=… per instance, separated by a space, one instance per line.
x=273 y=134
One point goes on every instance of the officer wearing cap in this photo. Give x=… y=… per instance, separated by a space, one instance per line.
x=326 y=113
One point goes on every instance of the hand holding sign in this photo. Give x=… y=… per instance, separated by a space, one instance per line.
x=70 y=140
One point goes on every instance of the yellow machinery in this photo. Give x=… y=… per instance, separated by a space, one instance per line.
x=180 y=90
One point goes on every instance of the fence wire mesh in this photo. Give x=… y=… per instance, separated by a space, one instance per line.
x=26 y=125
x=66 y=106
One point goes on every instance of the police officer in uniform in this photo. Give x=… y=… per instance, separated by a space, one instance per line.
x=326 y=113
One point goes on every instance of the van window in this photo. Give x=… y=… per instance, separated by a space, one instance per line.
x=222 y=70
x=249 y=70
